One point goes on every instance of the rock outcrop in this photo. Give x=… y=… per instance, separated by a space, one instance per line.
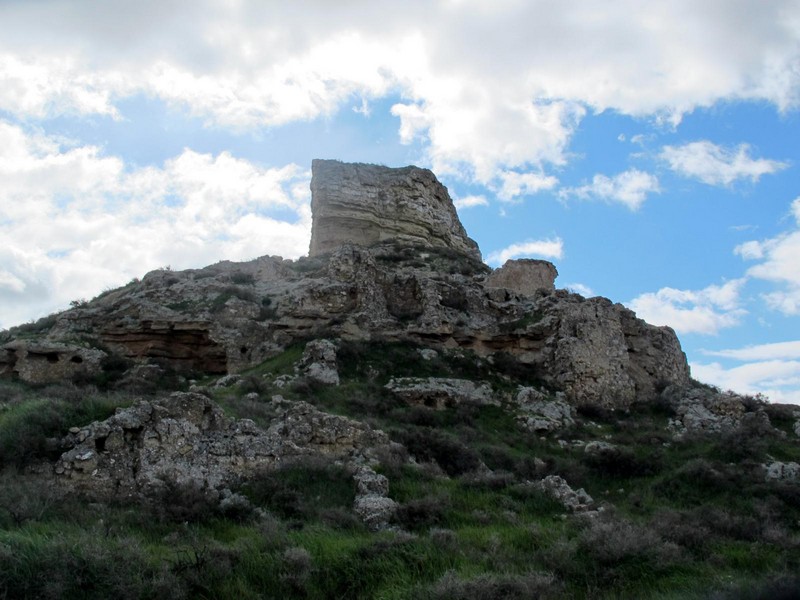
x=524 y=276
x=540 y=414
x=47 y=362
x=366 y=204
x=186 y=438
x=440 y=392
x=389 y=261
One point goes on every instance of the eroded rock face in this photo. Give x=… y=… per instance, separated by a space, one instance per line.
x=319 y=362
x=782 y=471
x=187 y=439
x=540 y=414
x=48 y=362
x=366 y=204
x=705 y=410
x=524 y=276
x=424 y=284
x=440 y=393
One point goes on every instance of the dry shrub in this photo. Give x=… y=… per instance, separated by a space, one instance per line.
x=497 y=587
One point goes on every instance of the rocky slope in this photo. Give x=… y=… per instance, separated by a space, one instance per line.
x=244 y=429
x=389 y=259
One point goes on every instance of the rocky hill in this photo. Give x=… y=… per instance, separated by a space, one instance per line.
x=388 y=260
x=387 y=417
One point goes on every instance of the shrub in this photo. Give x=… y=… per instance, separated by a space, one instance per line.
x=61 y=567
x=179 y=502
x=242 y=278
x=610 y=541
x=297 y=569
x=25 y=498
x=496 y=587
x=303 y=488
x=422 y=513
x=31 y=430
x=450 y=454
x=623 y=462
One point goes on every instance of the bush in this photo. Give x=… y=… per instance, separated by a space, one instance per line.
x=450 y=454
x=30 y=430
x=189 y=502
x=496 y=587
x=25 y=498
x=422 y=513
x=623 y=462
x=60 y=567
x=303 y=489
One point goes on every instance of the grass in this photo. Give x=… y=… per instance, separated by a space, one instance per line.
x=683 y=519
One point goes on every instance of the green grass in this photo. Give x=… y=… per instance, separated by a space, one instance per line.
x=684 y=519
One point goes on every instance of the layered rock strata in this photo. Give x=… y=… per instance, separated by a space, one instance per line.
x=389 y=261
x=524 y=276
x=366 y=204
x=187 y=439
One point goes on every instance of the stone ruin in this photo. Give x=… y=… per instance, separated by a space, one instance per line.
x=366 y=204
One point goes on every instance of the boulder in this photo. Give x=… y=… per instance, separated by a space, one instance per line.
x=319 y=362
x=557 y=488
x=440 y=392
x=540 y=413
x=372 y=504
x=780 y=471
x=186 y=439
x=702 y=409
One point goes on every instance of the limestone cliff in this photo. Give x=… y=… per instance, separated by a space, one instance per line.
x=365 y=204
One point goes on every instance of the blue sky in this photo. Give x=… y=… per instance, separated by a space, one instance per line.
x=650 y=150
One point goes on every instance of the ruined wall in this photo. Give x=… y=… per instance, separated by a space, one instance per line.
x=524 y=276
x=365 y=204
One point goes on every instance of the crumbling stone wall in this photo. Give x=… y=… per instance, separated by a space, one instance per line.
x=366 y=204
x=524 y=276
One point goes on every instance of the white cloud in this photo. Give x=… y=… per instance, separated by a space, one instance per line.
x=715 y=165
x=779 y=258
x=74 y=222
x=470 y=201
x=629 y=188
x=774 y=351
x=703 y=311
x=579 y=288
x=511 y=101
x=779 y=380
x=522 y=184
x=549 y=248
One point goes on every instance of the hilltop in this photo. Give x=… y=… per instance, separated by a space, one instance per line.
x=386 y=417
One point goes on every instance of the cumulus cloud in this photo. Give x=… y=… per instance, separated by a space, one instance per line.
x=548 y=248
x=779 y=264
x=629 y=188
x=776 y=379
x=703 y=311
x=470 y=201
x=89 y=221
x=249 y=64
x=716 y=165
x=516 y=184
x=775 y=351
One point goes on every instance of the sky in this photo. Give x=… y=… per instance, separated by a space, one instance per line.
x=648 y=149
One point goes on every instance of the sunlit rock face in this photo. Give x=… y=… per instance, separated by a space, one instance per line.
x=524 y=276
x=389 y=261
x=367 y=204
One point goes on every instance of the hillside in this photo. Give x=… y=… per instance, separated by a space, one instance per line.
x=386 y=418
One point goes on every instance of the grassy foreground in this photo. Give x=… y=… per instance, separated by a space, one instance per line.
x=681 y=519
